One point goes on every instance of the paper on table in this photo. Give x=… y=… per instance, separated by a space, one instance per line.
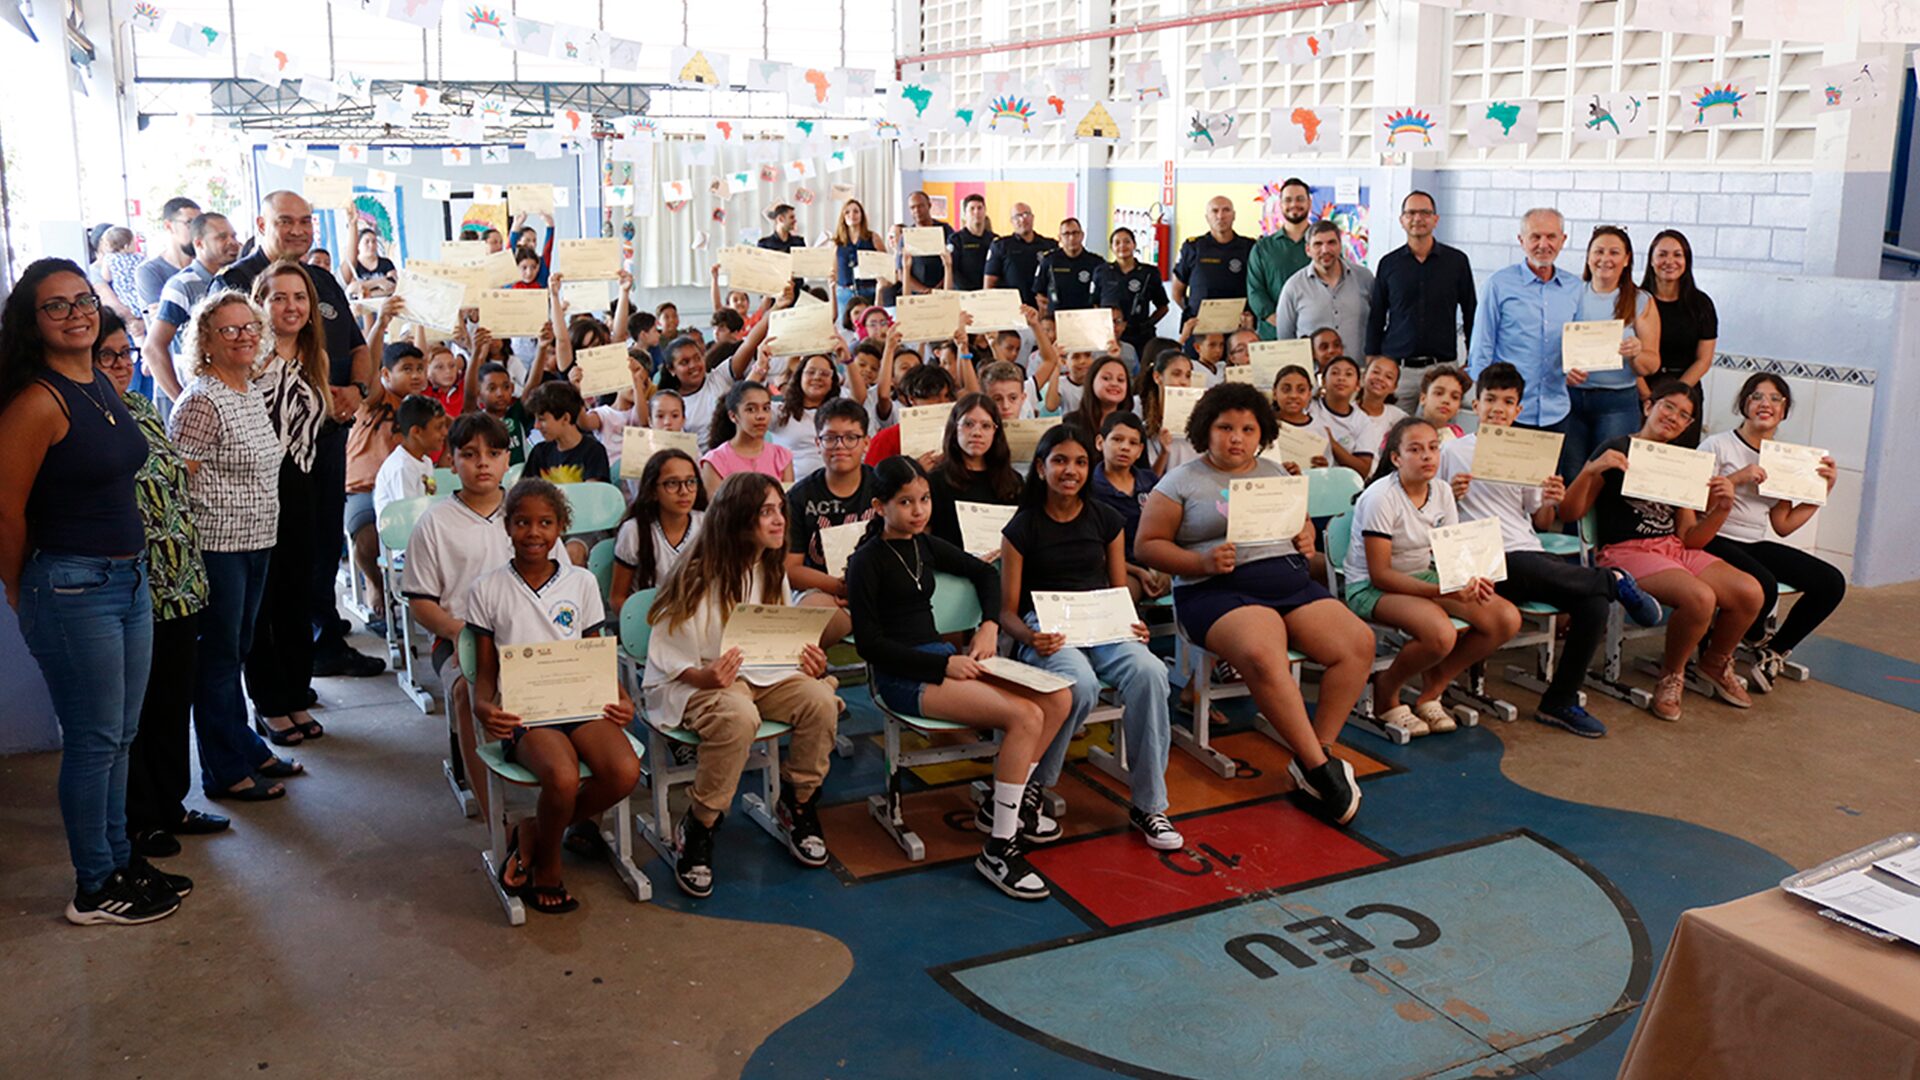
x=1905 y=865
x=993 y=309
x=1856 y=894
x=1219 y=316
x=462 y=252
x=928 y=316
x=922 y=428
x=1471 y=549
x=757 y=270
x=1262 y=509
x=1512 y=455
x=328 y=192
x=594 y=258
x=552 y=682
x=1007 y=669
x=1790 y=474
x=873 y=266
x=639 y=444
x=801 y=330
x=980 y=525
x=513 y=312
x=813 y=262
x=603 y=370
x=837 y=543
x=1176 y=407
x=1664 y=473
x=1023 y=436
x=1591 y=346
x=530 y=198
x=1094 y=617
x=773 y=635
x=1083 y=330
x=1268 y=357
x=1298 y=445
x=431 y=302
x=924 y=240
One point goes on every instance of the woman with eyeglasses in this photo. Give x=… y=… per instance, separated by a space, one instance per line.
x=1604 y=405
x=1689 y=324
x=224 y=429
x=72 y=559
x=1762 y=405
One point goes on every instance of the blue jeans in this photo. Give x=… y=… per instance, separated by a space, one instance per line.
x=1595 y=417
x=229 y=750
x=1141 y=678
x=89 y=622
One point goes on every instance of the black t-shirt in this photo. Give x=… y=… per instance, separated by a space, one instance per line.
x=928 y=270
x=1013 y=262
x=1684 y=324
x=336 y=316
x=586 y=461
x=1212 y=270
x=1068 y=280
x=945 y=520
x=890 y=600
x=812 y=506
x=1618 y=518
x=1063 y=556
x=969 y=258
x=382 y=268
x=1134 y=294
x=772 y=242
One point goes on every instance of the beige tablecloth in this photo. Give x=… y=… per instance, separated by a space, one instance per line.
x=1762 y=987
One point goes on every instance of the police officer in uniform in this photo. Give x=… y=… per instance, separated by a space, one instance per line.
x=1065 y=278
x=968 y=246
x=1212 y=266
x=1132 y=288
x=1013 y=260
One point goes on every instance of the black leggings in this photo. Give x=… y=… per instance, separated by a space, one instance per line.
x=1822 y=586
x=1584 y=593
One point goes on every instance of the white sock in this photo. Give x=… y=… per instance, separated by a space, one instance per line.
x=1006 y=809
x=1031 y=769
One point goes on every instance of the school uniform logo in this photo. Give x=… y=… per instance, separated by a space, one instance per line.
x=565 y=614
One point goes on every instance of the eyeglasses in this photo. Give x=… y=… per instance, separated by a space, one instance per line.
x=235 y=333
x=1766 y=399
x=841 y=440
x=113 y=358
x=1417 y=213
x=63 y=308
x=978 y=425
x=683 y=483
x=1682 y=411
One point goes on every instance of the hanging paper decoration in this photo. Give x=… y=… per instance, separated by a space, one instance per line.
x=353 y=153
x=695 y=69
x=768 y=75
x=1219 y=69
x=803 y=196
x=1713 y=18
x=1103 y=121
x=488 y=21
x=1399 y=130
x=1145 y=80
x=396 y=155
x=719 y=215
x=1601 y=117
x=1006 y=113
x=490 y=193
x=618 y=195
x=455 y=155
x=573 y=123
x=424 y=14
x=391 y=112
x=1503 y=123
x=146 y=17
x=380 y=179
x=1856 y=84
x=1209 y=131
x=738 y=183
x=281 y=154
x=437 y=190
x=495 y=155
x=1303 y=129
x=318 y=166
x=1713 y=105
x=530 y=35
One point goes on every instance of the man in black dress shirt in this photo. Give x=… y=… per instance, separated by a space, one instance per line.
x=1418 y=289
x=1064 y=279
x=968 y=246
x=783 y=237
x=284 y=230
x=925 y=273
x=1013 y=260
x=1213 y=265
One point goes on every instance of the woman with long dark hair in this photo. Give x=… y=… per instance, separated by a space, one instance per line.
x=976 y=465
x=1689 y=324
x=1604 y=405
x=658 y=528
x=72 y=559
x=811 y=382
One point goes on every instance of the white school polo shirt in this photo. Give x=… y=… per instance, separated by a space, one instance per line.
x=1385 y=510
x=451 y=547
x=1512 y=505
x=567 y=607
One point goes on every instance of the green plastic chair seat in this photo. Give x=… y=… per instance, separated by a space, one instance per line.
x=1331 y=490
x=495 y=756
x=924 y=723
x=398 y=519
x=1535 y=607
x=1559 y=543
x=595 y=505
x=600 y=564
x=769 y=729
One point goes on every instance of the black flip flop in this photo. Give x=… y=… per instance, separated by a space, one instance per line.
x=533 y=894
x=262 y=790
x=311 y=729
x=292 y=735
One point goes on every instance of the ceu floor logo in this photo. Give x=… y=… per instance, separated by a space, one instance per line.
x=1498 y=953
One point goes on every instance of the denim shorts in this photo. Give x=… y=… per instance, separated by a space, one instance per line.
x=511 y=744
x=359 y=511
x=902 y=694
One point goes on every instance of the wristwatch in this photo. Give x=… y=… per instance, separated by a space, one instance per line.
x=366 y=390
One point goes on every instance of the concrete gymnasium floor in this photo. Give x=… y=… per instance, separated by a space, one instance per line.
x=347 y=930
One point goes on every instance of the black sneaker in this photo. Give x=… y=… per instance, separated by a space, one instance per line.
x=1330 y=786
x=1160 y=833
x=694 y=871
x=800 y=821
x=154 y=843
x=346 y=661
x=1036 y=827
x=121 y=901
x=149 y=876
x=1003 y=863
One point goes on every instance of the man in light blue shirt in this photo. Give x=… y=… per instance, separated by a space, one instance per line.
x=1520 y=317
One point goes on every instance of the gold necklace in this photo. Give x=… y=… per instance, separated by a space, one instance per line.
x=87 y=393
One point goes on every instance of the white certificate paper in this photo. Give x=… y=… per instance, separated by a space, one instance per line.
x=1511 y=455
x=530 y=198
x=1591 y=346
x=639 y=444
x=757 y=270
x=552 y=682
x=1023 y=436
x=1095 y=617
x=1010 y=670
x=603 y=370
x=1176 y=407
x=813 y=262
x=993 y=309
x=595 y=258
x=930 y=316
x=431 y=302
x=1471 y=549
x=462 y=252
x=802 y=330
x=924 y=240
x=1298 y=445
x=1262 y=509
x=837 y=543
x=513 y=312
x=1790 y=474
x=873 y=266
x=1268 y=357
x=980 y=525
x=1664 y=473
x=1083 y=330
x=771 y=636
x=922 y=429
x=1219 y=316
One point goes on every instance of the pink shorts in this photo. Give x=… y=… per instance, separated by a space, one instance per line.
x=1645 y=558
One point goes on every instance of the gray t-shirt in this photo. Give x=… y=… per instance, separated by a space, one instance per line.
x=1201 y=492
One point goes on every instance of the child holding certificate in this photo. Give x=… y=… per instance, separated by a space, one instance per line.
x=890 y=582
x=1246 y=602
x=811 y=383
x=1663 y=547
x=534 y=598
x=738 y=435
x=976 y=466
x=1123 y=483
x=1377 y=411
x=1061 y=541
x=838 y=493
x=1585 y=593
x=1390 y=579
x=739 y=557
x=1347 y=427
x=658 y=528
x=1293 y=406
x=1163 y=366
x=1442 y=391
x=1763 y=403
